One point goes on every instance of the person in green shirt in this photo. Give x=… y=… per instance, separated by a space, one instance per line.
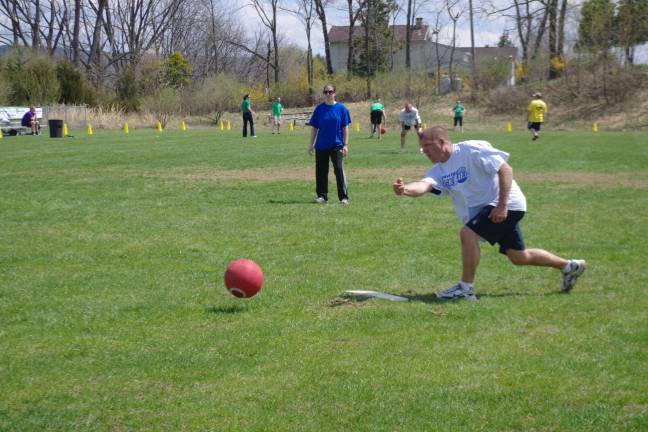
x=276 y=115
x=378 y=117
x=248 y=116
x=459 y=111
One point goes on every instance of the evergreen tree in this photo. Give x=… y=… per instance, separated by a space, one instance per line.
x=505 y=40
x=373 y=45
x=631 y=24
x=177 y=71
x=596 y=28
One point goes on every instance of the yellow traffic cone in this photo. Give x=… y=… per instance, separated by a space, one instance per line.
x=65 y=130
x=594 y=127
x=290 y=126
x=357 y=127
x=222 y=125
x=183 y=126
x=0 y=135
x=126 y=128
x=158 y=126
x=229 y=125
x=509 y=127
x=424 y=125
x=89 y=129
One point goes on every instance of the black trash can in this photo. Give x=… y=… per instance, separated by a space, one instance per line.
x=55 y=128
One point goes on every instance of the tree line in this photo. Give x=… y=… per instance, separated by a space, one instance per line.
x=135 y=47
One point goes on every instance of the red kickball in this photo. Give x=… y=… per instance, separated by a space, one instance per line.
x=243 y=278
x=383 y=130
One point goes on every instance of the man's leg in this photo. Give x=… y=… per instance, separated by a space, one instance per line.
x=402 y=142
x=536 y=257
x=470 y=260
x=571 y=270
x=470 y=254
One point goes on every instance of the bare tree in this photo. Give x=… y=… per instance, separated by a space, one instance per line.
x=267 y=12
x=320 y=9
x=454 y=9
x=354 y=8
x=306 y=13
x=439 y=50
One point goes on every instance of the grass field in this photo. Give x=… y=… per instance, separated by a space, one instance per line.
x=114 y=317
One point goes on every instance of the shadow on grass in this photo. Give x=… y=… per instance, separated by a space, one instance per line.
x=224 y=309
x=519 y=294
x=429 y=298
x=277 y=201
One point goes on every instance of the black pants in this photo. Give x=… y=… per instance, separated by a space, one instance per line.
x=321 y=172
x=247 y=117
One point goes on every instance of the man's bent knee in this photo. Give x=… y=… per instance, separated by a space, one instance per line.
x=466 y=234
x=518 y=257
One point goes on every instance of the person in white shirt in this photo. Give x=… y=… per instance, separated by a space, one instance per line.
x=409 y=118
x=488 y=202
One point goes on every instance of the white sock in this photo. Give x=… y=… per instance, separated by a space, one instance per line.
x=466 y=285
x=568 y=267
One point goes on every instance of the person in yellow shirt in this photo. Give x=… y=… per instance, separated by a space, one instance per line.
x=537 y=110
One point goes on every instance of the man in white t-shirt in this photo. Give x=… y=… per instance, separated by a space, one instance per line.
x=489 y=203
x=409 y=118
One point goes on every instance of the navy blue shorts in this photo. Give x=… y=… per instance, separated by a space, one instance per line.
x=507 y=233
x=534 y=125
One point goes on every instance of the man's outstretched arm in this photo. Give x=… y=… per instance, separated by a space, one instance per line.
x=413 y=189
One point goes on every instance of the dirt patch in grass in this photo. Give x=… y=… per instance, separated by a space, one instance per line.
x=585 y=179
x=388 y=175
x=346 y=301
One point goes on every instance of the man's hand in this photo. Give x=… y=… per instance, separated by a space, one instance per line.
x=345 y=151
x=498 y=214
x=311 y=149
x=399 y=187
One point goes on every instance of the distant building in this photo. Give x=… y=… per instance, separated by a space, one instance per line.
x=423 y=49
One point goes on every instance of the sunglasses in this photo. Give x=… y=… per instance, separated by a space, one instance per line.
x=329 y=91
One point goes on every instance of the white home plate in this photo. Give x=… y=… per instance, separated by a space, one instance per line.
x=375 y=294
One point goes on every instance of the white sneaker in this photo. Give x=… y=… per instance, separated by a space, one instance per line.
x=253 y=136
x=320 y=200
x=571 y=272
x=457 y=292
x=344 y=201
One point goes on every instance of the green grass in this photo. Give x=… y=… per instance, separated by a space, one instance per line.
x=113 y=313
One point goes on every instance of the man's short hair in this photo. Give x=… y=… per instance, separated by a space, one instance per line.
x=434 y=132
x=537 y=95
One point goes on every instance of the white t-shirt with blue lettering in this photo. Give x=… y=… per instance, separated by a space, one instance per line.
x=470 y=178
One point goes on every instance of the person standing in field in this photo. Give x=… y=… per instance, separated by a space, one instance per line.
x=277 y=109
x=377 y=118
x=459 y=111
x=537 y=109
x=329 y=139
x=409 y=118
x=248 y=116
x=488 y=202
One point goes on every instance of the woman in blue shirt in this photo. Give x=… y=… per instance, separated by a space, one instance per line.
x=329 y=139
